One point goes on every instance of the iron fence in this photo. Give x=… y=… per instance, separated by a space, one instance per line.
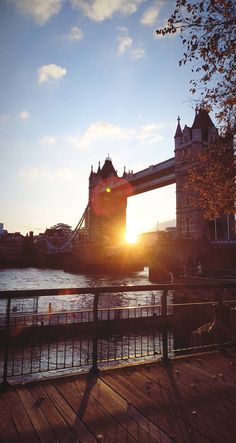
x=183 y=318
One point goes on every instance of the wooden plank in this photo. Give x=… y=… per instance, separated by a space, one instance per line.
x=8 y=432
x=113 y=409
x=219 y=366
x=173 y=401
x=153 y=410
x=20 y=417
x=39 y=421
x=57 y=422
x=207 y=417
x=127 y=415
x=211 y=378
x=117 y=407
x=73 y=420
x=97 y=419
x=208 y=389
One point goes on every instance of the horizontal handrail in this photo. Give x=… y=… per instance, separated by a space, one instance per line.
x=30 y=293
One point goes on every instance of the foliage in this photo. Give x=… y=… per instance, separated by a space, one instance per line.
x=208 y=31
x=212 y=177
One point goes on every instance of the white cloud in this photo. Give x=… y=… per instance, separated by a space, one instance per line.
x=47 y=73
x=149 y=134
x=96 y=132
x=149 y=17
x=48 y=140
x=125 y=45
x=75 y=34
x=37 y=173
x=105 y=131
x=137 y=53
x=40 y=10
x=24 y=115
x=99 y=10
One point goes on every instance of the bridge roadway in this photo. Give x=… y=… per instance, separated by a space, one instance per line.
x=153 y=177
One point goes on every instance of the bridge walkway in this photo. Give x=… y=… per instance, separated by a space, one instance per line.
x=192 y=399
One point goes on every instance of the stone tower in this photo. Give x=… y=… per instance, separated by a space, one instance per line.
x=106 y=215
x=189 y=218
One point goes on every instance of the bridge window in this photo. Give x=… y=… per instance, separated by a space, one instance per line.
x=187 y=225
x=191 y=224
x=189 y=201
x=183 y=225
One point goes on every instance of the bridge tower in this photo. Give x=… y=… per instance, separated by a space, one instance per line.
x=106 y=214
x=190 y=221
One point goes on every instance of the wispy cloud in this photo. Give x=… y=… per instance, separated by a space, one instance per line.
x=105 y=131
x=24 y=115
x=40 y=10
x=49 y=73
x=74 y=34
x=38 y=173
x=95 y=132
x=124 y=40
x=137 y=53
x=48 y=140
x=125 y=44
x=149 y=134
x=151 y=14
x=99 y=10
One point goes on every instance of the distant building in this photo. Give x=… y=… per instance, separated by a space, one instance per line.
x=57 y=234
x=148 y=239
x=11 y=247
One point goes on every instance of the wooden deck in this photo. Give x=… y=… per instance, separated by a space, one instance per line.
x=193 y=399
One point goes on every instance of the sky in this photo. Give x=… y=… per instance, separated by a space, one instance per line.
x=81 y=79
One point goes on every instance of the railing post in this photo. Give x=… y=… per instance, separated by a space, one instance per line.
x=165 y=357
x=4 y=384
x=94 y=369
x=222 y=321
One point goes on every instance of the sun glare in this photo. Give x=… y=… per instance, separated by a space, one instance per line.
x=131 y=237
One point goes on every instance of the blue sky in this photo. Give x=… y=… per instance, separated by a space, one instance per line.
x=81 y=79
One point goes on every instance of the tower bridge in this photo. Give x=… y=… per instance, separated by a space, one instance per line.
x=155 y=176
x=103 y=222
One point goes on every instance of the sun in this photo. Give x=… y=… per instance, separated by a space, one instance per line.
x=131 y=236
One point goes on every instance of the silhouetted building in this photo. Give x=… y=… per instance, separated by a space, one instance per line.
x=190 y=221
x=106 y=215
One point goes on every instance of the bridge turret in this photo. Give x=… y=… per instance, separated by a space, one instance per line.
x=108 y=169
x=178 y=135
x=190 y=219
x=106 y=219
x=203 y=126
x=99 y=168
x=91 y=172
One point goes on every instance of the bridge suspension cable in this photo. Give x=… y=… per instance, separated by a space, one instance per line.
x=68 y=244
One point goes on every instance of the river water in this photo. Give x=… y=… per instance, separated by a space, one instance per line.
x=34 y=278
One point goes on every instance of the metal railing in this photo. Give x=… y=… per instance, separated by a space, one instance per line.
x=42 y=338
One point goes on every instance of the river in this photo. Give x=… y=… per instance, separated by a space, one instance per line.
x=34 y=278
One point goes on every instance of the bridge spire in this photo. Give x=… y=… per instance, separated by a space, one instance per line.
x=178 y=132
x=99 y=167
x=91 y=173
